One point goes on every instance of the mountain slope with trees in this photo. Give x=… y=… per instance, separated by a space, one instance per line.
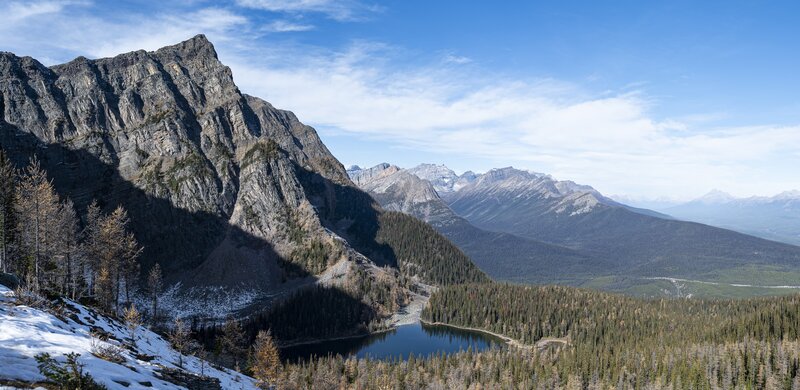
x=226 y=195
x=634 y=244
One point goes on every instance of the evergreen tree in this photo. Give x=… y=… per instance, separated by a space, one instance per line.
x=233 y=341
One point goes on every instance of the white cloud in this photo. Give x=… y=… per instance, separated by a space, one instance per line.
x=286 y=26
x=15 y=11
x=70 y=29
x=610 y=140
x=456 y=59
x=342 y=10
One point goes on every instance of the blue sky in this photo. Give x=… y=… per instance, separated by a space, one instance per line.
x=643 y=99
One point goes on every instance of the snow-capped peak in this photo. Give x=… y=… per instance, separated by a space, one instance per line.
x=788 y=195
x=361 y=176
x=442 y=177
x=716 y=196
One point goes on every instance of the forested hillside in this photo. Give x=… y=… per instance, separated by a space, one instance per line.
x=424 y=252
x=580 y=339
x=612 y=337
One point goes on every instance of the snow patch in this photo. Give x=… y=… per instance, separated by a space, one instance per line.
x=26 y=332
x=212 y=302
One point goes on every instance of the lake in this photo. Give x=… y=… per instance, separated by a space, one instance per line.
x=418 y=339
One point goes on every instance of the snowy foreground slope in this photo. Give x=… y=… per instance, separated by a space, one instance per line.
x=26 y=332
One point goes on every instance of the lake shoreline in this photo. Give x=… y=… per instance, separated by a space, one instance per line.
x=508 y=340
x=413 y=311
x=323 y=340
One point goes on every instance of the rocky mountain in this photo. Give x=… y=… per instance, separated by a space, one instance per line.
x=443 y=179
x=774 y=218
x=632 y=242
x=225 y=192
x=529 y=227
x=501 y=255
x=397 y=189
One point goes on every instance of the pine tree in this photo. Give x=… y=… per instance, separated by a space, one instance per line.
x=232 y=341
x=266 y=360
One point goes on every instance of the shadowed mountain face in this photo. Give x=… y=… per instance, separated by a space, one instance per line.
x=222 y=188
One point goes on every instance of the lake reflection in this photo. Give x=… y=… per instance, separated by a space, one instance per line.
x=417 y=339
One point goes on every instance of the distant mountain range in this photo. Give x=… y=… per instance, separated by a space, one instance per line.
x=529 y=227
x=775 y=218
x=502 y=255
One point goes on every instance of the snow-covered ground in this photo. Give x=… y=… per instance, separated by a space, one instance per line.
x=209 y=303
x=26 y=332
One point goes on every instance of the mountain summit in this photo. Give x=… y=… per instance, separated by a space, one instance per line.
x=225 y=192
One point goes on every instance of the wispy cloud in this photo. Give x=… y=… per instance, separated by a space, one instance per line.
x=343 y=10
x=70 y=28
x=611 y=139
x=287 y=26
x=456 y=59
x=18 y=10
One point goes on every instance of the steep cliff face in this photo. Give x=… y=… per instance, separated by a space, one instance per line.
x=223 y=189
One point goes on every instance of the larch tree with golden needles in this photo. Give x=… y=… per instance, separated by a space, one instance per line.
x=115 y=252
x=266 y=360
x=133 y=320
x=69 y=254
x=180 y=339
x=37 y=207
x=91 y=243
